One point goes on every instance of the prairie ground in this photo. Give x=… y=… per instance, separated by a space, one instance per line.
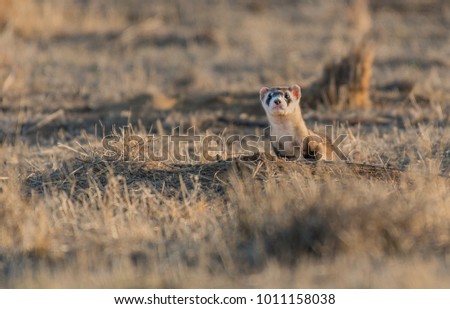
x=73 y=72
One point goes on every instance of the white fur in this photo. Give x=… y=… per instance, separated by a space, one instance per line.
x=286 y=121
x=281 y=109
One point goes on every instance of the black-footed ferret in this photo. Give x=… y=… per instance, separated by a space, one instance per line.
x=292 y=137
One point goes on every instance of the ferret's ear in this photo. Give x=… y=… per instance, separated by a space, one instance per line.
x=262 y=92
x=297 y=91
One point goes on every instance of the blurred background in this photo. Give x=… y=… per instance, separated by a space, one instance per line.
x=113 y=49
x=118 y=60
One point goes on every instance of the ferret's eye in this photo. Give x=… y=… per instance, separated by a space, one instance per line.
x=269 y=98
x=286 y=96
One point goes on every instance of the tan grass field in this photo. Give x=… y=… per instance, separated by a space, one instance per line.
x=74 y=71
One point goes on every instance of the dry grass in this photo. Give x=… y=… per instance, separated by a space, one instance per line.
x=346 y=82
x=72 y=73
x=30 y=18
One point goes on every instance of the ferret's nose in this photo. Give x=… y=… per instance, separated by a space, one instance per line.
x=277 y=102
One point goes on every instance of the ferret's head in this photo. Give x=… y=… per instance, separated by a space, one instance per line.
x=280 y=101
